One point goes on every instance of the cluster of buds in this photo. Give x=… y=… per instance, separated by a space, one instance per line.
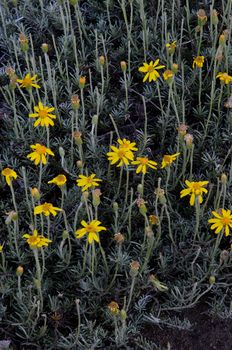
x=134 y=268
x=141 y=205
x=160 y=193
x=96 y=197
x=119 y=238
x=23 y=42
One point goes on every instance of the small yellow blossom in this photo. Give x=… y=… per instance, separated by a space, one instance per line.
x=168 y=74
x=194 y=190
x=59 y=180
x=224 y=77
x=122 y=154
x=9 y=174
x=43 y=114
x=39 y=153
x=46 y=209
x=198 y=61
x=36 y=240
x=171 y=47
x=28 y=82
x=144 y=163
x=151 y=70
x=87 y=182
x=168 y=159
x=92 y=229
x=222 y=220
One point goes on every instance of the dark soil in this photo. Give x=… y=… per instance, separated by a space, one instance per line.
x=206 y=333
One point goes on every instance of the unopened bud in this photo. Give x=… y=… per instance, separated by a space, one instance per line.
x=75 y=102
x=189 y=140
x=134 y=268
x=23 y=41
x=19 y=271
x=35 y=193
x=160 y=193
x=202 y=18
x=175 y=68
x=79 y=164
x=140 y=188
x=123 y=66
x=119 y=238
x=82 y=82
x=224 y=178
x=101 y=60
x=61 y=152
x=214 y=17
x=77 y=137
x=96 y=197
x=182 y=129
x=95 y=119
x=115 y=206
x=123 y=315
x=85 y=196
x=212 y=280
x=44 y=48
x=65 y=234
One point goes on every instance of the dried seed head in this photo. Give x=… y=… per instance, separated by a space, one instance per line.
x=153 y=219
x=219 y=53
x=160 y=193
x=189 y=140
x=119 y=238
x=10 y=71
x=134 y=268
x=113 y=307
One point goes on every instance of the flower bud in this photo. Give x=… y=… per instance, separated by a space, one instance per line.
x=35 y=193
x=175 y=68
x=224 y=256
x=115 y=206
x=202 y=18
x=75 y=102
x=85 y=196
x=222 y=39
x=44 y=48
x=13 y=81
x=224 y=178
x=142 y=206
x=12 y=216
x=168 y=76
x=82 y=82
x=160 y=193
x=61 y=152
x=123 y=66
x=19 y=271
x=113 y=308
x=101 y=60
x=73 y=2
x=182 y=129
x=95 y=119
x=10 y=71
x=189 y=140
x=134 y=268
x=214 y=17
x=23 y=41
x=77 y=137
x=212 y=280
x=123 y=315
x=119 y=238
x=96 y=197
x=65 y=234
x=79 y=164
x=140 y=189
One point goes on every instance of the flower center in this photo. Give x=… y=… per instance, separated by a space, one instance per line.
x=33 y=240
x=41 y=149
x=27 y=81
x=121 y=153
x=89 y=179
x=7 y=172
x=43 y=113
x=60 y=178
x=144 y=161
x=90 y=228
x=46 y=206
x=226 y=221
x=150 y=69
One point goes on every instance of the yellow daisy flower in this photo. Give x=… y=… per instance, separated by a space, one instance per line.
x=144 y=163
x=9 y=174
x=127 y=145
x=92 y=229
x=222 y=220
x=224 y=77
x=87 y=181
x=59 y=180
x=151 y=70
x=46 y=209
x=39 y=154
x=122 y=154
x=195 y=189
x=36 y=241
x=168 y=159
x=43 y=114
x=28 y=82
x=198 y=61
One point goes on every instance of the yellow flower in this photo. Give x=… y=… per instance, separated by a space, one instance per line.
x=91 y=230
x=151 y=70
x=168 y=159
x=9 y=174
x=222 y=220
x=28 y=82
x=168 y=74
x=198 y=61
x=36 y=240
x=195 y=189
x=46 y=209
x=39 y=154
x=122 y=154
x=224 y=77
x=59 y=180
x=87 y=182
x=144 y=163
x=43 y=114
